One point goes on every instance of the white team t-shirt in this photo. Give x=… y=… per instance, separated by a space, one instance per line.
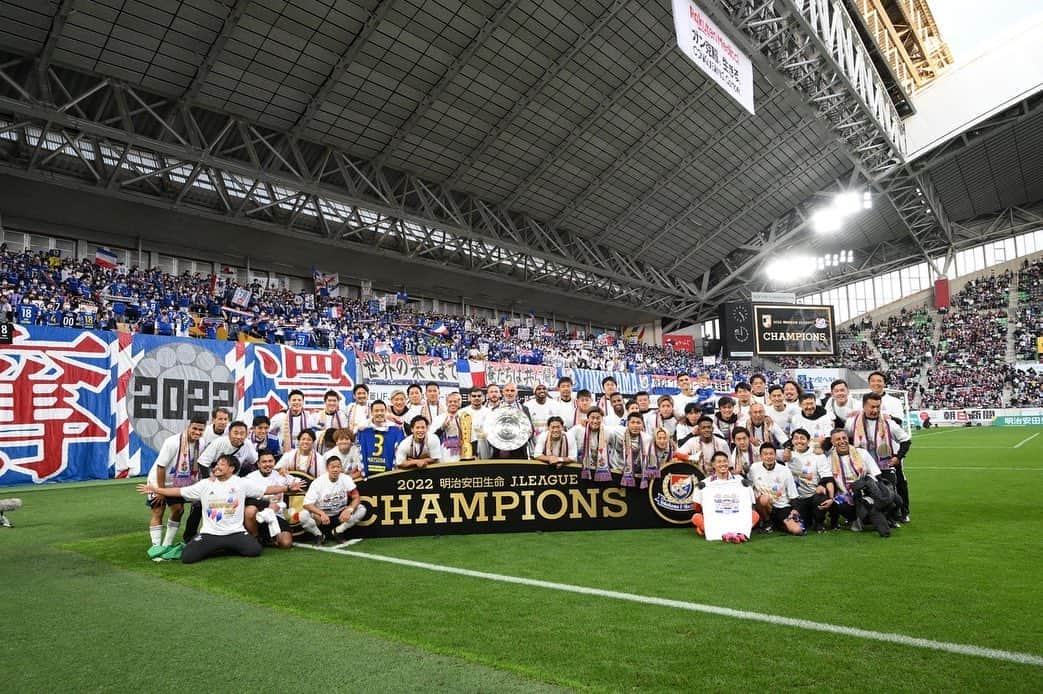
x=409 y=449
x=275 y=479
x=350 y=461
x=330 y=496
x=223 y=502
x=176 y=460
x=808 y=469
x=540 y=414
x=727 y=507
x=777 y=483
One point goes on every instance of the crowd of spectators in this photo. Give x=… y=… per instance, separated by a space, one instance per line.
x=853 y=353
x=970 y=367
x=43 y=288
x=46 y=289
x=1029 y=320
x=905 y=340
x=1026 y=387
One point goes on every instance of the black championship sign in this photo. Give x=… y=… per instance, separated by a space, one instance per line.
x=794 y=329
x=518 y=496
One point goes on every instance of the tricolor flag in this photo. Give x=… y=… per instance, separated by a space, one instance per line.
x=242 y=296
x=105 y=258
x=470 y=374
x=439 y=328
x=382 y=347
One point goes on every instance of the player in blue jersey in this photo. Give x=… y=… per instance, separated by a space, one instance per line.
x=378 y=440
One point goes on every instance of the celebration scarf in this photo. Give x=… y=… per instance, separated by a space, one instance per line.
x=595 y=463
x=311 y=467
x=185 y=469
x=289 y=442
x=838 y=467
x=882 y=447
x=629 y=462
x=659 y=458
x=563 y=445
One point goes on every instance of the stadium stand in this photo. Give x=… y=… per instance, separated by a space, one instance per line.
x=970 y=369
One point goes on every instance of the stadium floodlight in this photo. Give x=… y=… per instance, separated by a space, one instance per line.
x=867 y=200
x=827 y=220
x=847 y=203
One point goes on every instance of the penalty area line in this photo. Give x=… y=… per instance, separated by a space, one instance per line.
x=900 y=639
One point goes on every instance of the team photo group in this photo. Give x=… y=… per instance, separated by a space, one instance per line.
x=797 y=461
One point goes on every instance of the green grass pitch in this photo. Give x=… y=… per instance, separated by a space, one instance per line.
x=84 y=610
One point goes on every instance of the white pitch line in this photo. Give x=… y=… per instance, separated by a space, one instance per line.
x=901 y=639
x=1022 y=443
x=939 y=430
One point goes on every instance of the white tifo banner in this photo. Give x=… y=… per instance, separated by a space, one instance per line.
x=986 y=417
x=715 y=54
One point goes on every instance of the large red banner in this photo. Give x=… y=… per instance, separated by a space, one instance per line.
x=680 y=343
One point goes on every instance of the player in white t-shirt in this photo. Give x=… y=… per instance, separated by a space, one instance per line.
x=775 y=491
x=223 y=500
x=700 y=449
x=347 y=452
x=218 y=425
x=270 y=518
x=814 y=479
x=540 y=409
x=420 y=449
x=331 y=504
x=235 y=441
x=175 y=466
x=778 y=410
x=554 y=446
x=686 y=396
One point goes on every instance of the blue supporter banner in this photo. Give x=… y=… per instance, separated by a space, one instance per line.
x=56 y=414
x=590 y=379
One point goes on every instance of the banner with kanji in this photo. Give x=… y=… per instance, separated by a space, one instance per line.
x=56 y=409
x=270 y=372
x=80 y=405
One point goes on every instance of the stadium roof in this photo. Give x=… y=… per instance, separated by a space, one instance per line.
x=563 y=145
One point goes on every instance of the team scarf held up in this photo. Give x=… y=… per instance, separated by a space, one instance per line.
x=595 y=463
x=645 y=457
x=883 y=446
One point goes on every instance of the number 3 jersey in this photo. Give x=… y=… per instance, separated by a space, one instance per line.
x=378 y=449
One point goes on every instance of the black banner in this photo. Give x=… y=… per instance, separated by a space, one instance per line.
x=518 y=496
x=794 y=329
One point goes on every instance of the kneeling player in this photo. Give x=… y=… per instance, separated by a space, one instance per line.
x=774 y=490
x=264 y=520
x=223 y=500
x=331 y=505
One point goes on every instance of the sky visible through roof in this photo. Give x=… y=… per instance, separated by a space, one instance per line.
x=970 y=26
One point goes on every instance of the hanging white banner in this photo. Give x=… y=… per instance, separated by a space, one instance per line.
x=715 y=54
